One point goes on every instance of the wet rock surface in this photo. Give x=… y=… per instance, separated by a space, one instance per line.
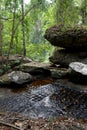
x=71 y=101
x=47 y=101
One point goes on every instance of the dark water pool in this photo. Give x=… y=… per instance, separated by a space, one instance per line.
x=51 y=100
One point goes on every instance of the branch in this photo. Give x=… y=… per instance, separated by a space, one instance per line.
x=24 y=16
x=5 y=18
x=10 y=125
x=35 y=5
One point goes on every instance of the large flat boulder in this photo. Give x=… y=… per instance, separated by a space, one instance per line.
x=27 y=67
x=69 y=37
x=64 y=58
x=36 y=69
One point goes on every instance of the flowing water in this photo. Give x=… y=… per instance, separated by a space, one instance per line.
x=49 y=100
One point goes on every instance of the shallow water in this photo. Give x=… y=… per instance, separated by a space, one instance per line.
x=50 y=100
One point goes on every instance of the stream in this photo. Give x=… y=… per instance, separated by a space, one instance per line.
x=46 y=101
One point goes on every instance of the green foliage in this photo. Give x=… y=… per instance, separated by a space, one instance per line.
x=41 y=15
x=39 y=52
x=1 y=71
x=66 y=12
x=84 y=12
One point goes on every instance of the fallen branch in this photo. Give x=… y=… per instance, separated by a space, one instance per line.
x=10 y=125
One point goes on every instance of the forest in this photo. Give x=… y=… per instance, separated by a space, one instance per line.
x=22 y=25
x=43 y=64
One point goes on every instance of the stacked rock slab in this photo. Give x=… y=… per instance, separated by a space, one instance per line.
x=73 y=43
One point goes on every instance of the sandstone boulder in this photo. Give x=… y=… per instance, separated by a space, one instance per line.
x=27 y=67
x=19 y=58
x=78 y=72
x=59 y=73
x=17 y=77
x=71 y=38
x=64 y=58
x=36 y=69
x=79 y=67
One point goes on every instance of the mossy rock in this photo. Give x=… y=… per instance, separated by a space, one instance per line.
x=69 y=37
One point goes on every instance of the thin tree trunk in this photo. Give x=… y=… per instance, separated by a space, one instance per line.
x=84 y=12
x=23 y=29
x=20 y=19
x=13 y=29
x=1 y=41
x=1 y=28
x=84 y=16
x=1 y=44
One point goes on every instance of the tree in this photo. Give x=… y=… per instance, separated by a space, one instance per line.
x=66 y=12
x=23 y=28
x=1 y=42
x=1 y=29
x=13 y=26
x=83 y=11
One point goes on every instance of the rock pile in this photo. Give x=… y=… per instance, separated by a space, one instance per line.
x=25 y=73
x=73 y=43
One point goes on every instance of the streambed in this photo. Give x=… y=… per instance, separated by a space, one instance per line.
x=46 y=101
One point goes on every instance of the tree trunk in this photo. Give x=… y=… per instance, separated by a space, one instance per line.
x=13 y=27
x=23 y=29
x=1 y=37
x=1 y=28
x=84 y=12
